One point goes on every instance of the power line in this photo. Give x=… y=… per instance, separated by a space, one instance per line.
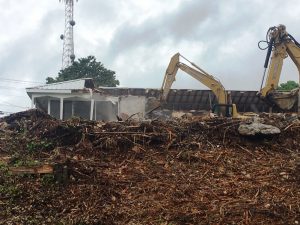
x=9 y=104
x=3 y=112
x=5 y=95
x=9 y=91
x=28 y=81
x=10 y=87
x=19 y=81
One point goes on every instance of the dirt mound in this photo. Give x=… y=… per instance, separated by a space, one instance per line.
x=150 y=172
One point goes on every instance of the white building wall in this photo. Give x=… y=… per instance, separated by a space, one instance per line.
x=92 y=106
x=129 y=105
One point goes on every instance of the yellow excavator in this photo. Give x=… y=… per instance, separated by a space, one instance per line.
x=281 y=44
x=223 y=108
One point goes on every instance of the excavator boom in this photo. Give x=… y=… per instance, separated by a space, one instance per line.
x=197 y=73
x=223 y=108
x=282 y=45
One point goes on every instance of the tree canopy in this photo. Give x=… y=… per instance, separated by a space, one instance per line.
x=87 y=68
x=289 y=85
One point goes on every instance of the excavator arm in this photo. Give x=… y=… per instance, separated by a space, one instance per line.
x=274 y=71
x=282 y=45
x=224 y=106
x=208 y=80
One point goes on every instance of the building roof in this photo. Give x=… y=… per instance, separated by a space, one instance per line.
x=189 y=99
x=66 y=85
x=63 y=87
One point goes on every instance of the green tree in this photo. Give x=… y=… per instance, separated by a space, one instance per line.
x=289 y=85
x=87 y=68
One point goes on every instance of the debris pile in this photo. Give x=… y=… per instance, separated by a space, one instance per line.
x=183 y=171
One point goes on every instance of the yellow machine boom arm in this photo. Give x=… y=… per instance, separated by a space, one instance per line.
x=282 y=45
x=197 y=73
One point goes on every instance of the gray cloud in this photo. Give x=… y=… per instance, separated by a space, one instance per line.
x=177 y=25
x=31 y=57
x=33 y=51
x=96 y=12
x=220 y=36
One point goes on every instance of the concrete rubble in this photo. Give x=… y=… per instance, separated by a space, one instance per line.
x=257 y=128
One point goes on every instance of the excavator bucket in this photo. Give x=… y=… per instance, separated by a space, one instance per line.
x=284 y=100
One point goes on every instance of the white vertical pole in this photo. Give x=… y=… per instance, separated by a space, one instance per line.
x=61 y=108
x=299 y=103
x=32 y=102
x=95 y=111
x=72 y=108
x=92 y=109
x=49 y=106
x=119 y=106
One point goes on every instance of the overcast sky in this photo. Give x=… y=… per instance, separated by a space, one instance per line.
x=137 y=38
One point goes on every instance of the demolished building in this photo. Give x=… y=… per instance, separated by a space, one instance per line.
x=81 y=98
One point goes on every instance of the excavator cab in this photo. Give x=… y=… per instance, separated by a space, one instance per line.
x=226 y=110
x=222 y=110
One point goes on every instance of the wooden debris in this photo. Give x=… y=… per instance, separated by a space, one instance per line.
x=43 y=169
x=185 y=171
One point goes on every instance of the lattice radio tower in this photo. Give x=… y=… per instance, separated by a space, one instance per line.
x=68 y=41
